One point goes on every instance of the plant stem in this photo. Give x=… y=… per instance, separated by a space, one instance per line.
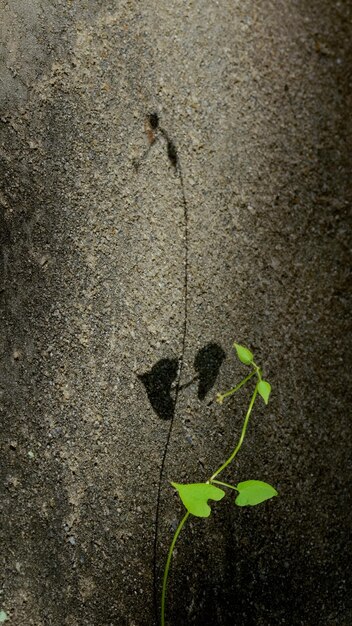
x=218 y=482
x=232 y=456
x=226 y=394
x=167 y=566
x=257 y=370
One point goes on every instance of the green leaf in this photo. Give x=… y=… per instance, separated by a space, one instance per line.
x=264 y=389
x=244 y=355
x=253 y=492
x=3 y=616
x=195 y=497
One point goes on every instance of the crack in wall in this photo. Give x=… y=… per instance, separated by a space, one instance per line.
x=165 y=376
x=175 y=161
x=152 y=127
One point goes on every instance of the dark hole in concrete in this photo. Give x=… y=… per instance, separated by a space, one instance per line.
x=153 y=120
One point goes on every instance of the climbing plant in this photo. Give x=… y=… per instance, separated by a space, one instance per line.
x=195 y=496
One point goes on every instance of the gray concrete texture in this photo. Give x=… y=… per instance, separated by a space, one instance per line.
x=251 y=146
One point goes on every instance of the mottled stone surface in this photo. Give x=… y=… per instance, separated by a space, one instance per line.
x=251 y=142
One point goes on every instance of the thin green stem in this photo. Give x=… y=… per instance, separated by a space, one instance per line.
x=228 y=393
x=218 y=482
x=232 y=456
x=258 y=371
x=167 y=566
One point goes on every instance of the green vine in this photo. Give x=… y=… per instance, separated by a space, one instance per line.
x=195 y=496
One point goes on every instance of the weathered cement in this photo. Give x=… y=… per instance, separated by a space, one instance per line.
x=256 y=97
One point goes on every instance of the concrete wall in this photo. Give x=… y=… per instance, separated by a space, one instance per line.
x=238 y=199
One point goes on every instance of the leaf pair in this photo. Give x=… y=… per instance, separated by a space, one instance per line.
x=195 y=496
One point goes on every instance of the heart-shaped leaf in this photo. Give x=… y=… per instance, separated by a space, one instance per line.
x=195 y=497
x=264 y=389
x=253 y=492
x=3 y=616
x=244 y=355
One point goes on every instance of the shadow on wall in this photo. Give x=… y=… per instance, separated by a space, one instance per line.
x=161 y=384
x=257 y=579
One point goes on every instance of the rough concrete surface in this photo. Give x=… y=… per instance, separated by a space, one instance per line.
x=242 y=204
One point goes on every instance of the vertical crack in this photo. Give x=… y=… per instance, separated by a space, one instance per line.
x=154 y=131
x=175 y=161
